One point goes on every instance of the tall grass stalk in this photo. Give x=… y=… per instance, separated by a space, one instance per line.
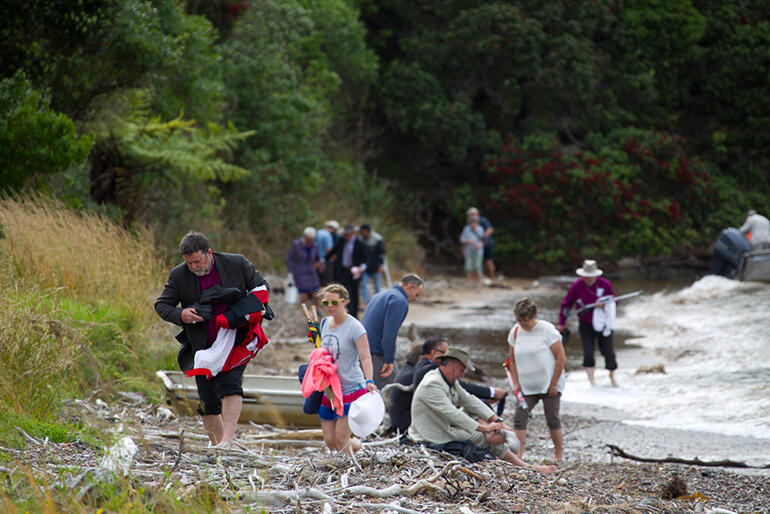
x=36 y=351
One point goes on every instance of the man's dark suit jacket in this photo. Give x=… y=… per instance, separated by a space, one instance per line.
x=359 y=256
x=343 y=275
x=183 y=289
x=424 y=365
x=401 y=401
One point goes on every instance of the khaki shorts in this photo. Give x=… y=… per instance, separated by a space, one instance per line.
x=550 y=405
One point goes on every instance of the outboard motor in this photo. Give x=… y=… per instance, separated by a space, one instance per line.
x=728 y=249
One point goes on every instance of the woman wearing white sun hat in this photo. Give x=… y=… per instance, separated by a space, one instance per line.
x=584 y=291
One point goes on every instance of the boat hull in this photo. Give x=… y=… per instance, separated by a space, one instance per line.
x=755 y=265
x=267 y=400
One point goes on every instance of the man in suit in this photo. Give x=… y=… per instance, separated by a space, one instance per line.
x=400 y=399
x=374 y=249
x=348 y=254
x=221 y=395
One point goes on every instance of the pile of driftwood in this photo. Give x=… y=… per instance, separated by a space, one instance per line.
x=266 y=467
x=292 y=471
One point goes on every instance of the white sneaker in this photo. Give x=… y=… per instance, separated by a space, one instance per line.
x=511 y=441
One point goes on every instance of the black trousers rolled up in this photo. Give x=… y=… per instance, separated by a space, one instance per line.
x=589 y=337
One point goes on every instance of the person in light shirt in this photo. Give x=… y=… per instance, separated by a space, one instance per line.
x=444 y=413
x=758 y=227
x=537 y=359
x=344 y=338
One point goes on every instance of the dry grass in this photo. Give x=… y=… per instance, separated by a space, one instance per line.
x=76 y=317
x=35 y=352
x=81 y=255
x=76 y=293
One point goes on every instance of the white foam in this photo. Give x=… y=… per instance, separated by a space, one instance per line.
x=713 y=340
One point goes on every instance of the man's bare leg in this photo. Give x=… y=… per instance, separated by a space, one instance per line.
x=514 y=459
x=521 y=435
x=590 y=373
x=612 y=379
x=497 y=438
x=214 y=427
x=489 y=268
x=231 y=411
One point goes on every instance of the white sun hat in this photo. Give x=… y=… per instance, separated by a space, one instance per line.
x=366 y=414
x=589 y=269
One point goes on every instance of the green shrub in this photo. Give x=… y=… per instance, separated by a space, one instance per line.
x=34 y=139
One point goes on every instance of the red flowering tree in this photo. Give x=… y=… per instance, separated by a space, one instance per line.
x=640 y=194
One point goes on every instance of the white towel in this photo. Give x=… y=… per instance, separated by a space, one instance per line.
x=604 y=317
x=213 y=358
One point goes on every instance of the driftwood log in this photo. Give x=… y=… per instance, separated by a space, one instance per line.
x=615 y=451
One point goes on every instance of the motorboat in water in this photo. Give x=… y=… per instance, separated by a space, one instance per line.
x=734 y=258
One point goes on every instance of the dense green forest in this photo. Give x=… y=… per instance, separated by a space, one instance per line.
x=612 y=128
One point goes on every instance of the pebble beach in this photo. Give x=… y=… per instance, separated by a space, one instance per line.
x=286 y=470
x=282 y=469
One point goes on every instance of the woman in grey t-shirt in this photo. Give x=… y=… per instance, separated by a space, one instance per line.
x=344 y=337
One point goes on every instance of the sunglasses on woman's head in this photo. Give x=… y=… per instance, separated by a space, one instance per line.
x=332 y=302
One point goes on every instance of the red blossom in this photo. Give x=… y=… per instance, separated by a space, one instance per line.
x=675 y=210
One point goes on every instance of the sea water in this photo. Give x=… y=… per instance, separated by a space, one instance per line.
x=711 y=337
x=713 y=341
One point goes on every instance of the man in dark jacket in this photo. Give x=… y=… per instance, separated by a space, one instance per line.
x=222 y=395
x=348 y=254
x=374 y=249
x=401 y=401
x=430 y=360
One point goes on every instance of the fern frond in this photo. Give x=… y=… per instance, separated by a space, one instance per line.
x=146 y=142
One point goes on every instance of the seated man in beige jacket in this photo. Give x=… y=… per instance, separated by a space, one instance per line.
x=443 y=412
